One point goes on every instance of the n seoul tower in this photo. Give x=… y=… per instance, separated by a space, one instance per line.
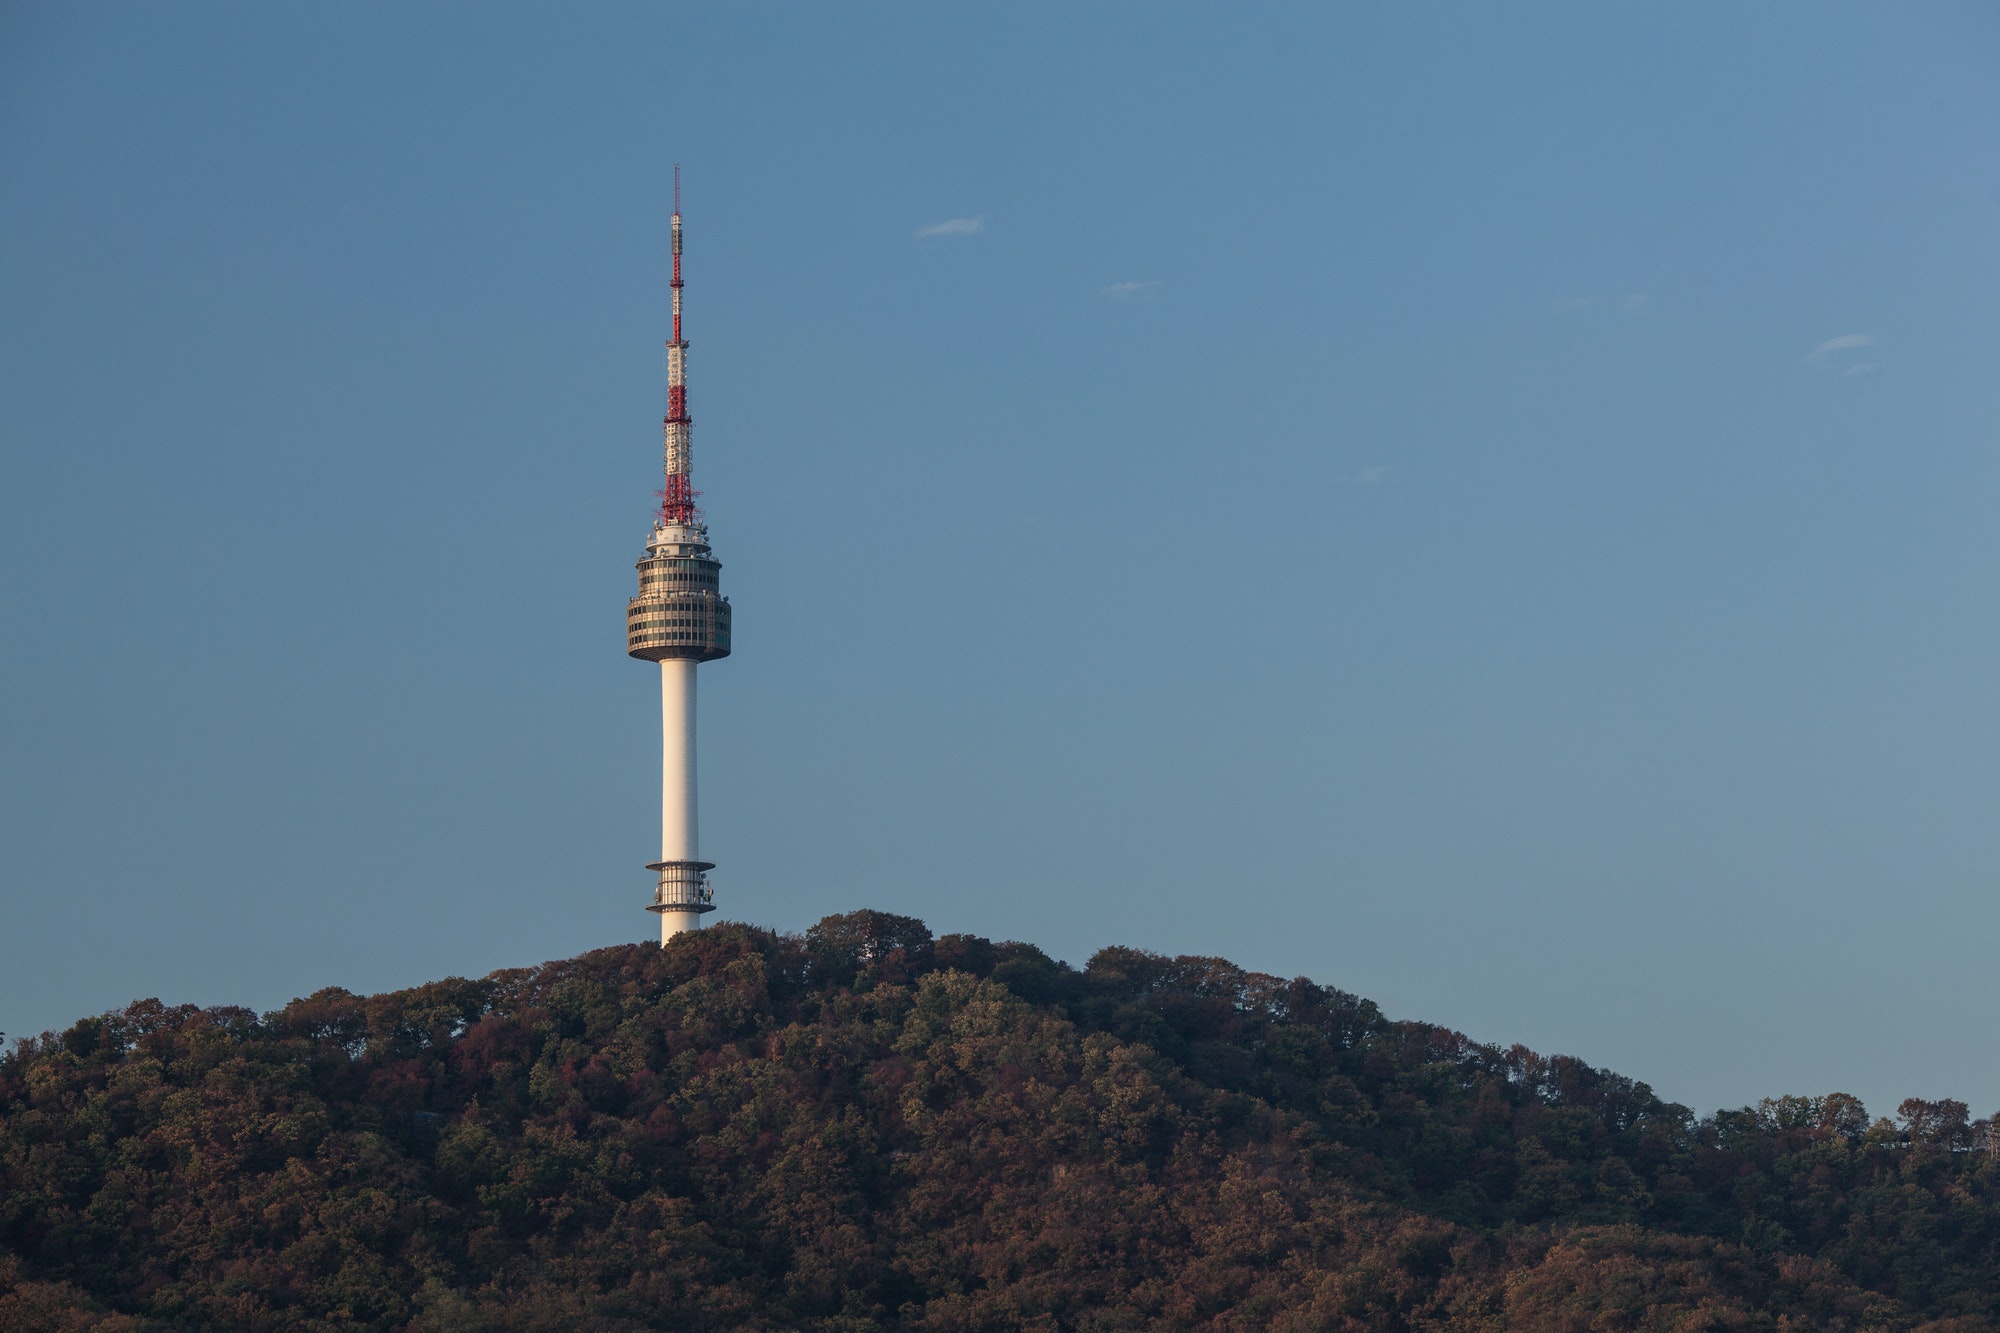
x=680 y=620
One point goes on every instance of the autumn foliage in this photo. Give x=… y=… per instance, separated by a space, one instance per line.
x=868 y=1128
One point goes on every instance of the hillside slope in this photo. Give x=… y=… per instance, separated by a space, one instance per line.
x=864 y=1128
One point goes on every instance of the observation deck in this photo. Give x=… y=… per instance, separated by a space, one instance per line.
x=679 y=612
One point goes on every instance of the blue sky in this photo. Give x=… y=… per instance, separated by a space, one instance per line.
x=1492 y=508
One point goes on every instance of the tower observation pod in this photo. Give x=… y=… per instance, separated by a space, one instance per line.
x=680 y=619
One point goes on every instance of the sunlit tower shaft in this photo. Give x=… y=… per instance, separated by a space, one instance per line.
x=680 y=620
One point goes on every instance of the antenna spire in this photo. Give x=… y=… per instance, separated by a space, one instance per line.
x=677 y=498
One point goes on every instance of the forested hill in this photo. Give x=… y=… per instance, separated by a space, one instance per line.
x=866 y=1128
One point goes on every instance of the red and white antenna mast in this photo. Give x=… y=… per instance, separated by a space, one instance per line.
x=677 y=499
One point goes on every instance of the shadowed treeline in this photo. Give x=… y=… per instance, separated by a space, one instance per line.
x=866 y=1128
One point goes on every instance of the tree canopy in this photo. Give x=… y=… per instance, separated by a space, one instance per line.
x=869 y=1128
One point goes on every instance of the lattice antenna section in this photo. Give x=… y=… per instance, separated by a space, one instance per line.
x=677 y=497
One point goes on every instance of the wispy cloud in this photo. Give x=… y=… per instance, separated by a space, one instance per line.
x=954 y=227
x=1119 y=291
x=1860 y=368
x=1636 y=303
x=1846 y=342
x=1369 y=476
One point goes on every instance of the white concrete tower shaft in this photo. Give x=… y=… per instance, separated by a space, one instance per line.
x=680 y=805
x=679 y=619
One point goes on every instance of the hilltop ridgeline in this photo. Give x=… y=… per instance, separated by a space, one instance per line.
x=865 y=1128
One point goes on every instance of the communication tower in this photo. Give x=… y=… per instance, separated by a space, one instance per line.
x=680 y=619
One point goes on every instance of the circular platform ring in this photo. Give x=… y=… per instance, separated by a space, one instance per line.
x=689 y=878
